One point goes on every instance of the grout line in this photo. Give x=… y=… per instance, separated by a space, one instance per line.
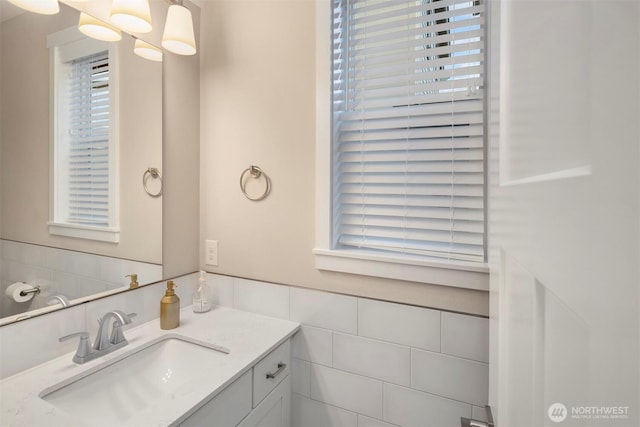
x=358 y=316
x=333 y=347
x=440 y=350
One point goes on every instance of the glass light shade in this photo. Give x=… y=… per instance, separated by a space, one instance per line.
x=178 y=31
x=147 y=51
x=133 y=16
x=97 y=29
x=45 y=7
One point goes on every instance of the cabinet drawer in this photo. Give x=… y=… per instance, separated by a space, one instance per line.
x=270 y=371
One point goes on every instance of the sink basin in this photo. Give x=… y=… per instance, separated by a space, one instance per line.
x=119 y=389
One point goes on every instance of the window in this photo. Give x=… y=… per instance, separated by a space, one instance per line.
x=84 y=149
x=407 y=137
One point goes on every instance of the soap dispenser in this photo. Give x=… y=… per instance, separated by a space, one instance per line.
x=134 y=281
x=202 y=295
x=170 y=308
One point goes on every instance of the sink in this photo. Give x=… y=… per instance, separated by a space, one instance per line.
x=118 y=389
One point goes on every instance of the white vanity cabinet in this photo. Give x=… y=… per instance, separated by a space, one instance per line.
x=261 y=397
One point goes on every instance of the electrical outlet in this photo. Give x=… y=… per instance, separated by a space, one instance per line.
x=211 y=252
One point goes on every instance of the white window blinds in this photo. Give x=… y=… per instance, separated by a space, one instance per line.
x=88 y=155
x=408 y=127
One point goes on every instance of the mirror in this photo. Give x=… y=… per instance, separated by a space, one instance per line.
x=34 y=255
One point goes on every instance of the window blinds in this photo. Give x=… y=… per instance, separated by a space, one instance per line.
x=408 y=127
x=88 y=157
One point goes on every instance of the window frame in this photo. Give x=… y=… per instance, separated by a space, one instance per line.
x=56 y=224
x=462 y=274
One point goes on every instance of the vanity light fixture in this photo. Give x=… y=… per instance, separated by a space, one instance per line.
x=97 y=29
x=178 y=34
x=133 y=16
x=45 y=7
x=147 y=51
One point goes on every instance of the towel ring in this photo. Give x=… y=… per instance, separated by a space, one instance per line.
x=256 y=173
x=153 y=173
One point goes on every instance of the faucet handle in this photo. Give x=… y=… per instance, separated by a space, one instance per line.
x=117 y=336
x=84 y=346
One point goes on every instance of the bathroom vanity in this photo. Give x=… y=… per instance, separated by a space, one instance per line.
x=222 y=368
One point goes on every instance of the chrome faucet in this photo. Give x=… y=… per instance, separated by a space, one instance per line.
x=104 y=343
x=59 y=298
x=103 y=340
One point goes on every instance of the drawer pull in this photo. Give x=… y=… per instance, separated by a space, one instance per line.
x=281 y=367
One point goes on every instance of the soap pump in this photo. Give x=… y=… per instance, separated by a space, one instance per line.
x=202 y=295
x=134 y=281
x=170 y=308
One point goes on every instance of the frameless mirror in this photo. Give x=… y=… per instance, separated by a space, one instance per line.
x=53 y=200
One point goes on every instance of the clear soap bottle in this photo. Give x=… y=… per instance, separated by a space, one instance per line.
x=202 y=295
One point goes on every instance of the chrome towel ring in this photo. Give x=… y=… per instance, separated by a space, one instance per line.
x=255 y=173
x=155 y=174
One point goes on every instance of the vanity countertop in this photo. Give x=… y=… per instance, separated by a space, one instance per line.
x=249 y=337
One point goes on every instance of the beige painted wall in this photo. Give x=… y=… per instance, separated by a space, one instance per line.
x=181 y=136
x=25 y=137
x=258 y=108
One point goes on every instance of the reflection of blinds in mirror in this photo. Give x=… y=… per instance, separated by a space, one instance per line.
x=88 y=168
x=408 y=126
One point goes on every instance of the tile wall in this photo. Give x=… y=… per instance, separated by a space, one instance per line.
x=361 y=362
x=356 y=362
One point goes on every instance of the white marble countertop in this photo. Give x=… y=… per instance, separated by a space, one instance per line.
x=249 y=337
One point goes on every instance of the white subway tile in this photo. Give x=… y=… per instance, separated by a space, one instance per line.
x=448 y=376
x=478 y=413
x=11 y=251
x=465 y=336
x=398 y=323
x=313 y=344
x=84 y=265
x=412 y=408
x=32 y=255
x=152 y=294
x=221 y=289
x=262 y=298
x=301 y=375
x=13 y=271
x=66 y=284
x=18 y=272
x=184 y=287
x=148 y=273
x=349 y=391
x=113 y=270
x=370 y=422
x=55 y=259
x=91 y=286
x=372 y=358
x=33 y=341
x=325 y=310
x=309 y=413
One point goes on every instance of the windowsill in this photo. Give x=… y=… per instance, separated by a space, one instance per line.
x=102 y=234
x=458 y=274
